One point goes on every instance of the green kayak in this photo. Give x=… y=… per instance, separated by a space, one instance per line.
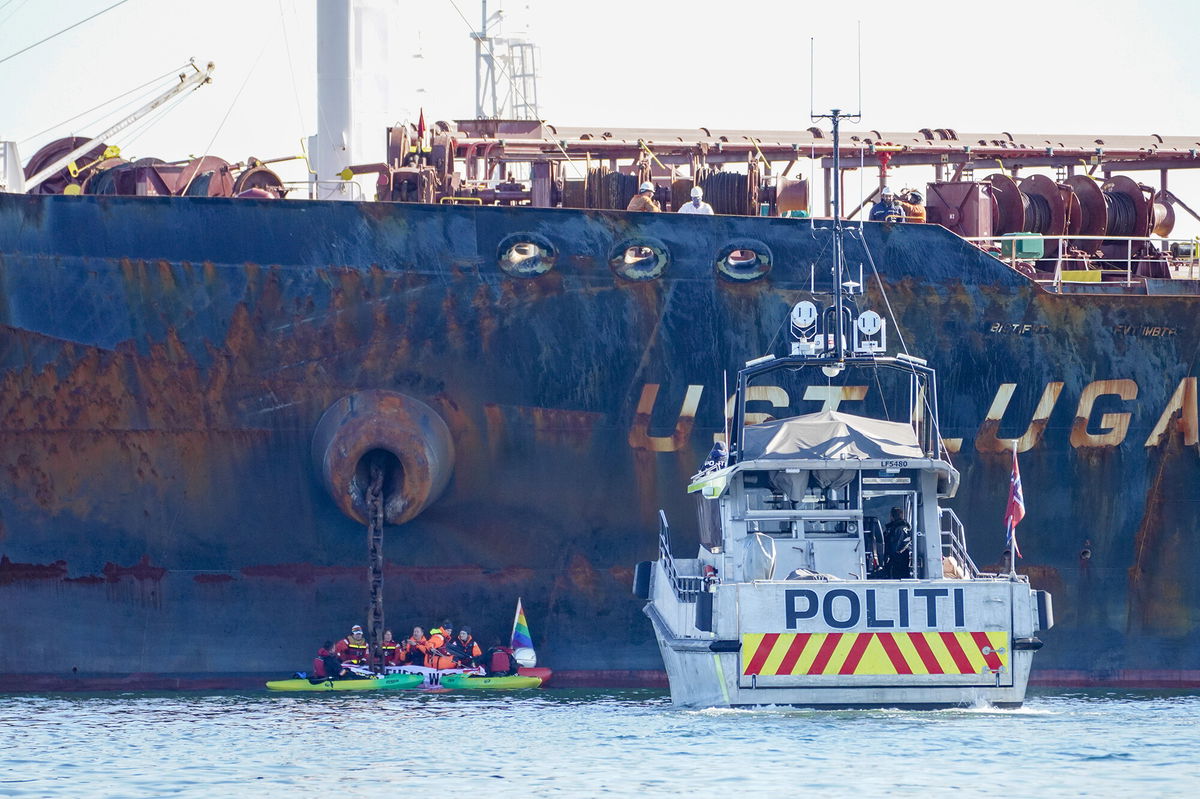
x=390 y=682
x=470 y=682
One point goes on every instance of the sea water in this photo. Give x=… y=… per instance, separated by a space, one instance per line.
x=570 y=743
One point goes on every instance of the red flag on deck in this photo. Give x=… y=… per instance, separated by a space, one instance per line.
x=421 y=128
x=1015 y=512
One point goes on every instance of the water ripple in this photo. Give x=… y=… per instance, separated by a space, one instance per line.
x=573 y=743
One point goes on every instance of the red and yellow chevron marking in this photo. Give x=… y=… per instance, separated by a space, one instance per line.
x=794 y=654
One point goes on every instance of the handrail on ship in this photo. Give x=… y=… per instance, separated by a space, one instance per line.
x=954 y=541
x=313 y=188
x=687 y=589
x=1192 y=259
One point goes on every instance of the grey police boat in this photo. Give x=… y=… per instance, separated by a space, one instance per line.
x=829 y=573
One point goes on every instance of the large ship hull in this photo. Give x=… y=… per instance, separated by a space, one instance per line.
x=164 y=364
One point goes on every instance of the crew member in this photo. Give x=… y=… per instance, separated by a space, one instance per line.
x=716 y=457
x=888 y=209
x=353 y=648
x=414 y=648
x=389 y=650
x=464 y=649
x=897 y=544
x=913 y=204
x=499 y=660
x=644 y=199
x=697 y=205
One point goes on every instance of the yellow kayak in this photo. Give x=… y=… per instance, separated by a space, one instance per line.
x=390 y=682
x=470 y=682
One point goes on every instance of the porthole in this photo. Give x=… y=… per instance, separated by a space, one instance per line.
x=640 y=259
x=744 y=260
x=526 y=255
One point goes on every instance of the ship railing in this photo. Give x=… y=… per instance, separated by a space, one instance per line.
x=686 y=589
x=328 y=189
x=954 y=541
x=1183 y=255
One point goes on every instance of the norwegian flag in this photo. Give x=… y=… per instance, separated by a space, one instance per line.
x=1015 y=512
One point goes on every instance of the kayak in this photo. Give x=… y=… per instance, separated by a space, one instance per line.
x=470 y=682
x=389 y=682
x=430 y=678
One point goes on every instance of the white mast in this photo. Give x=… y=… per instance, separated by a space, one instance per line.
x=357 y=59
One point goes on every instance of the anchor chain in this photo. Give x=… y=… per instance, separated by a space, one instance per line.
x=374 y=500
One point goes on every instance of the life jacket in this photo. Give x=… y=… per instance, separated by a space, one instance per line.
x=436 y=656
x=414 y=652
x=501 y=661
x=465 y=651
x=390 y=652
x=351 y=652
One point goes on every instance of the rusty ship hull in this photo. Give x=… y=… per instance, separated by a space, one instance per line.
x=164 y=363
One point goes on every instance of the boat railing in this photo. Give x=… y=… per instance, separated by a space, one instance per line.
x=328 y=189
x=687 y=589
x=954 y=541
x=1119 y=267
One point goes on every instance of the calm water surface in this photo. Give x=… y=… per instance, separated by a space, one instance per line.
x=561 y=743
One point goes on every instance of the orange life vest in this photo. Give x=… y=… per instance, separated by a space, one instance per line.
x=436 y=656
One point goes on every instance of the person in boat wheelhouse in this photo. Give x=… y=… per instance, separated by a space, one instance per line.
x=897 y=543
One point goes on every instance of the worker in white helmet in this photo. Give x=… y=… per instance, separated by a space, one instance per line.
x=644 y=199
x=697 y=205
x=888 y=208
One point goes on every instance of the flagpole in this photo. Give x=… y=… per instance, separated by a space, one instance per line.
x=516 y=616
x=1012 y=527
x=1012 y=552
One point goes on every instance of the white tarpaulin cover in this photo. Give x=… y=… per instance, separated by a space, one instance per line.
x=830 y=435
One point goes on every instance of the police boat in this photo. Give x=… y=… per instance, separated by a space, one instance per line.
x=830 y=574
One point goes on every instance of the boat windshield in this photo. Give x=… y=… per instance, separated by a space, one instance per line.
x=893 y=394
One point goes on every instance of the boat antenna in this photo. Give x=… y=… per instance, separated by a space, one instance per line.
x=725 y=406
x=835 y=116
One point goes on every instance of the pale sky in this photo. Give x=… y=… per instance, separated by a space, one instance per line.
x=1104 y=66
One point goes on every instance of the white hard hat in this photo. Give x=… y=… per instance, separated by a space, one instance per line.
x=886 y=190
x=697 y=191
x=647 y=186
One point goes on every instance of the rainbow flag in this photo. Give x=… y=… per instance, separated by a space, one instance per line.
x=520 y=631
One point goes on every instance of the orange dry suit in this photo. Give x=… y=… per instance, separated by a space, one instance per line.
x=436 y=656
x=413 y=651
